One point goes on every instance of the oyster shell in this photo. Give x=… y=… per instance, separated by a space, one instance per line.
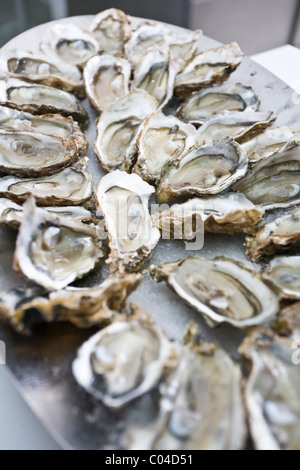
x=284 y=273
x=51 y=124
x=161 y=139
x=112 y=29
x=201 y=407
x=118 y=128
x=156 y=75
x=146 y=36
x=222 y=290
x=239 y=126
x=123 y=362
x=69 y=44
x=204 y=170
x=275 y=182
x=271 y=141
x=183 y=48
x=72 y=186
x=272 y=391
x=280 y=235
x=288 y=322
x=53 y=251
x=202 y=105
x=83 y=307
x=210 y=67
x=123 y=200
x=231 y=213
x=40 y=99
x=106 y=78
x=39 y=69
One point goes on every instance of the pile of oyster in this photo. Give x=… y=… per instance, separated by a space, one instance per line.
x=172 y=126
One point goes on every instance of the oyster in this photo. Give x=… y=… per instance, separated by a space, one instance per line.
x=40 y=99
x=161 y=139
x=239 y=126
x=204 y=170
x=146 y=36
x=202 y=105
x=123 y=362
x=69 y=44
x=201 y=407
x=84 y=307
x=284 y=273
x=112 y=29
x=40 y=69
x=156 y=75
x=10 y=213
x=183 y=48
x=118 y=128
x=210 y=67
x=272 y=391
x=275 y=182
x=72 y=186
x=123 y=200
x=53 y=251
x=106 y=78
x=231 y=213
x=222 y=290
x=270 y=142
x=288 y=322
x=280 y=235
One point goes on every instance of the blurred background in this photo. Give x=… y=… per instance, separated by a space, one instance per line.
x=257 y=25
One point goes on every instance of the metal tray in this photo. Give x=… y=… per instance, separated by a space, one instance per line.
x=41 y=364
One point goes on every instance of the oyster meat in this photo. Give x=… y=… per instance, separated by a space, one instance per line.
x=280 y=235
x=107 y=79
x=156 y=75
x=222 y=290
x=275 y=182
x=69 y=44
x=112 y=29
x=39 y=69
x=54 y=251
x=118 y=128
x=72 y=186
x=40 y=99
x=272 y=391
x=145 y=37
x=83 y=307
x=231 y=213
x=162 y=139
x=284 y=273
x=123 y=200
x=207 y=68
x=183 y=48
x=288 y=322
x=202 y=105
x=204 y=170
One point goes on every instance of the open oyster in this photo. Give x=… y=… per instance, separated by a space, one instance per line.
x=222 y=290
x=284 y=273
x=123 y=200
x=271 y=141
x=231 y=213
x=156 y=75
x=123 y=362
x=204 y=170
x=146 y=36
x=118 y=128
x=161 y=139
x=183 y=48
x=112 y=29
x=40 y=99
x=288 y=322
x=209 y=67
x=69 y=44
x=275 y=182
x=272 y=391
x=280 y=235
x=39 y=69
x=72 y=186
x=239 y=126
x=51 y=124
x=84 y=307
x=53 y=251
x=204 y=104
x=106 y=78
x=201 y=407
